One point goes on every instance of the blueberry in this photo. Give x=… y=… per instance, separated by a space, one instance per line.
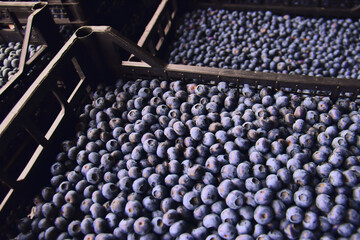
x=166 y=204
x=243 y=170
x=68 y=211
x=298 y=125
x=142 y=226
x=186 y=181
x=155 y=179
x=352 y=216
x=74 y=228
x=24 y=224
x=109 y=190
x=51 y=233
x=159 y=192
x=150 y=145
x=263 y=145
x=310 y=221
x=196 y=171
x=250 y=199
x=191 y=200
x=88 y=191
x=213 y=236
x=133 y=208
x=140 y=185
x=117 y=205
x=263 y=214
x=177 y=228
x=58 y=199
x=60 y=223
x=225 y=187
x=273 y=165
x=227 y=231
x=85 y=205
x=209 y=179
x=86 y=226
x=126 y=225
x=301 y=177
x=324 y=169
x=211 y=221
x=196 y=133
x=294 y=214
x=184 y=212
x=279 y=208
x=199 y=233
x=324 y=224
x=44 y=224
x=284 y=175
x=209 y=194
x=273 y=182
x=158 y=226
x=264 y=196
x=346 y=230
x=217 y=149
x=307 y=234
x=213 y=165
x=259 y=171
x=134 y=172
x=94 y=175
x=186 y=236
x=336 y=178
x=104 y=236
x=57 y=180
x=235 y=199
x=336 y=214
x=97 y=197
x=256 y=158
x=100 y=225
x=228 y=171
x=303 y=198
x=201 y=211
x=244 y=227
x=286 y=195
x=229 y=215
x=276 y=234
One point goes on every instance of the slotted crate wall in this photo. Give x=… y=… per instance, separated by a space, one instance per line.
x=39 y=30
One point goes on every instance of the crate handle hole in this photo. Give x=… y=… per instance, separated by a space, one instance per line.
x=83 y=32
x=39 y=5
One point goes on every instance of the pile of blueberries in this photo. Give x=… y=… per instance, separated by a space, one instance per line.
x=9 y=59
x=265 y=42
x=183 y=160
x=304 y=3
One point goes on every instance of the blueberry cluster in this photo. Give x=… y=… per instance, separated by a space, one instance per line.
x=265 y=42
x=9 y=59
x=304 y=3
x=174 y=160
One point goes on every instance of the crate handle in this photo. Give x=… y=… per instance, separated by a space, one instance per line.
x=113 y=37
x=83 y=32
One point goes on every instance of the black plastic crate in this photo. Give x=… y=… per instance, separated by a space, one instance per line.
x=39 y=30
x=161 y=30
x=46 y=114
x=64 y=12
